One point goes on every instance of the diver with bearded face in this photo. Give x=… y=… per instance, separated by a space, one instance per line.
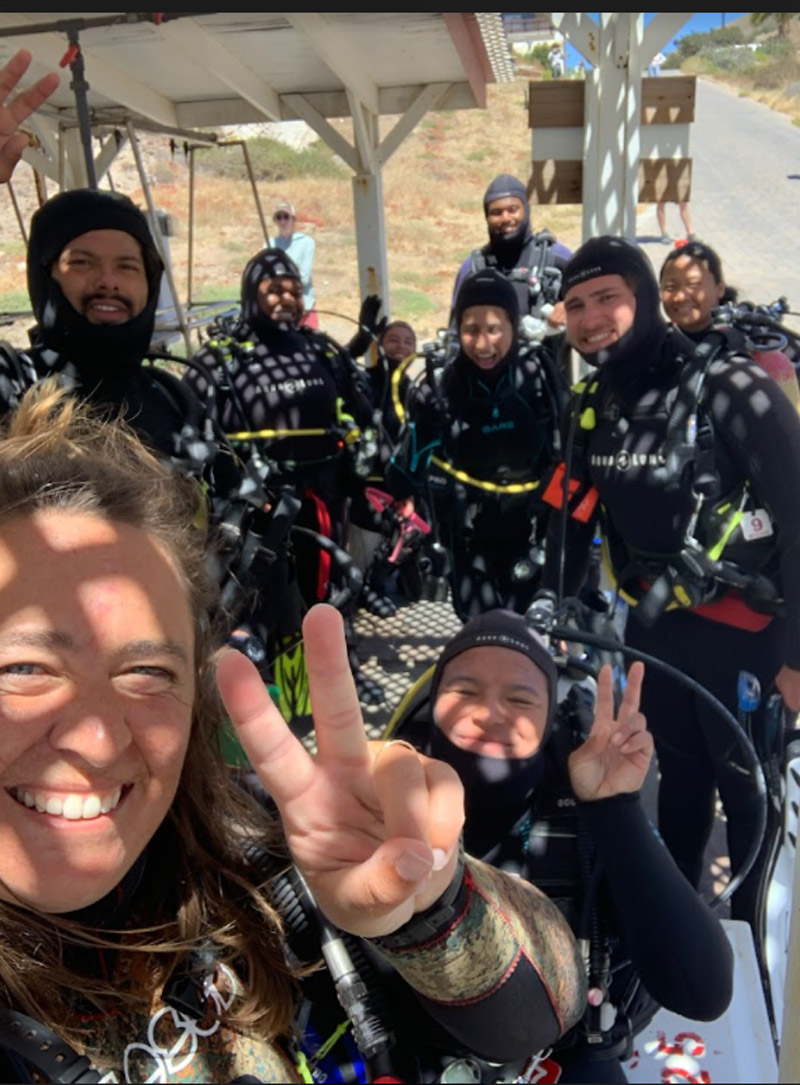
x=94 y=275
x=290 y=396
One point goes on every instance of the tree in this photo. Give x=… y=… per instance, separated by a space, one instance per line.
x=782 y=19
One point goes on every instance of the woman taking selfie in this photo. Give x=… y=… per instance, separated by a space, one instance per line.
x=140 y=937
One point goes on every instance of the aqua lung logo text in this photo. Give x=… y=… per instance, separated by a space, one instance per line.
x=295 y=385
x=623 y=461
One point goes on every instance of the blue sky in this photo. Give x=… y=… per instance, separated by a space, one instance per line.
x=704 y=20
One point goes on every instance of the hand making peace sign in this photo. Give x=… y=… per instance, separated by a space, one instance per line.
x=615 y=757
x=373 y=827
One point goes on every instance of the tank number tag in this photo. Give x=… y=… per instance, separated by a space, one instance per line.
x=757 y=525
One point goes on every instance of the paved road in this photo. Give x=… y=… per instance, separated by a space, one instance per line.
x=746 y=194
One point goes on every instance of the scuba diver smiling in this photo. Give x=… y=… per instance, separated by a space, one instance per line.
x=682 y=455
x=480 y=435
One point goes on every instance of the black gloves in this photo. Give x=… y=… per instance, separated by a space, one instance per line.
x=370 y=326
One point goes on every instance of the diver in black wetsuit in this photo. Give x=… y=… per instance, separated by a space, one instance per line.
x=396 y=342
x=534 y=262
x=563 y=811
x=670 y=502
x=481 y=435
x=271 y=379
x=93 y=276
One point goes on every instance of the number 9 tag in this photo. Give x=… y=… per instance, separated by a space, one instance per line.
x=757 y=525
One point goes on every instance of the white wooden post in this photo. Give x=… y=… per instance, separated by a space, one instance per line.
x=620 y=48
x=373 y=272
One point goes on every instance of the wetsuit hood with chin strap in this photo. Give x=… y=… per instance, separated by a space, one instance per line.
x=506 y=248
x=100 y=354
x=634 y=350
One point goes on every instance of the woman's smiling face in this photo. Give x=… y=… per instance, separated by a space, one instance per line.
x=96 y=694
x=493 y=701
x=690 y=293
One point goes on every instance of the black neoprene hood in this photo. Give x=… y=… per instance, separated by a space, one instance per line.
x=79 y=211
x=267 y=264
x=503 y=187
x=617 y=256
x=96 y=350
x=605 y=256
x=501 y=629
x=487 y=287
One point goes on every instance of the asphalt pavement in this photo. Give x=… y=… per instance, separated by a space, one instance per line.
x=745 y=195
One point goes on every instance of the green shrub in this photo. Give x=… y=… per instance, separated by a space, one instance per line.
x=778 y=74
x=272 y=161
x=413 y=303
x=540 y=53
x=737 y=61
x=692 y=44
x=15 y=301
x=777 y=47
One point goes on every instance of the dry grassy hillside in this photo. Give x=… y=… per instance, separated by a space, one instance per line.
x=774 y=80
x=433 y=188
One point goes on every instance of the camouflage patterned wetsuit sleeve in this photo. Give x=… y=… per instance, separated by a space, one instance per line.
x=504 y=975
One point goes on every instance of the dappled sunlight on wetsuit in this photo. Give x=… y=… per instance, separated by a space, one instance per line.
x=497 y=426
x=745 y=462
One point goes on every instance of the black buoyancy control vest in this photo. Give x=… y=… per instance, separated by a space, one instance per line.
x=542 y=840
x=535 y=277
x=666 y=484
x=165 y=414
x=284 y=385
x=505 y=431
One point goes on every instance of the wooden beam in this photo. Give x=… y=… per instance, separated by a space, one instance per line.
x=216 y=112
x=213 y=56
x=473 y=59
x=561 y=182
x=335 y=50
x=46 y=133
x=581 y=30
x=303 y=110
x=665 y=179
x=102 y=77
x=556 y=103
x=662 y=29
x=669 y=99
x=366 y=135
x=427 y=100
x=556 y=182
x=42 y=164
x=108 y=153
